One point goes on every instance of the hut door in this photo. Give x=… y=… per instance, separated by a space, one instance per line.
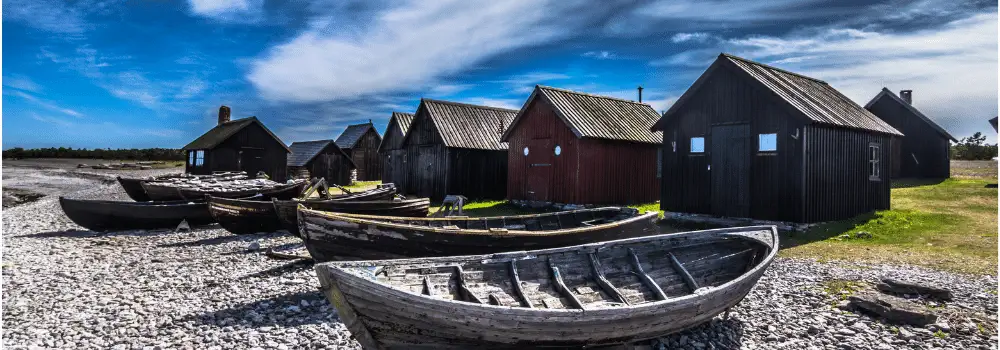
x=539 y=159
x=426 y=171
x=730 y=170
x=251 y=161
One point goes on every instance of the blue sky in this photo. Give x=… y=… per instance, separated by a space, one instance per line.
x=94 y=73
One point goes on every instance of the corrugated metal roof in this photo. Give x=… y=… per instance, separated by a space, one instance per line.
x=403 y=120
x=224 y=131
x=352 y=134
x=305 y=151
x=816 y=99
x=469 y=126
x=599 y=117
x=885 y=93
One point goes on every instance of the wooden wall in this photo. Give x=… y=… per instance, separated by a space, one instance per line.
x=252 y=149
x=476 y=174
x=923 y=152
x=393 y=157
x=587 y=171
x=331 y=165
x=426 y=165
x=773 y=179
x=837 y=174
x=366 y=158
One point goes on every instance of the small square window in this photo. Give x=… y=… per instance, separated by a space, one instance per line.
x=767 y=142
x=190 y=157
x=697 y=145
x=199 y=158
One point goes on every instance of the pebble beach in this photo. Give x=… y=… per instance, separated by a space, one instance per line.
x=66 y=287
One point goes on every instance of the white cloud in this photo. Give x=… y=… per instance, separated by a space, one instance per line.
x=227 y=10
x=601 y=55
x=46 y=104
x=21 y=82
x=48 y=15
x=191 y=88
x=692 y=37
x=406 y=48
x=509 y=103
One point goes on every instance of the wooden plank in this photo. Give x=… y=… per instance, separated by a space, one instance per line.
x=427 y=287
x=561 y=286
x=606 y=285
x=684 y=273
x=648 y=281
x=464 y=292
x=516 y=280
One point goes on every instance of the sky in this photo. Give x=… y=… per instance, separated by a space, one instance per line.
x=136 y=74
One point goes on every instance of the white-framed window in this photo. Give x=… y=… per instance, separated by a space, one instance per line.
x=199 y=158
x=767 y=142
x=697 y=145
x=874 y=160
x=191 y=158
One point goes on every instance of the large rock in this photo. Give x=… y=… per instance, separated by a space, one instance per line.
x=895 y=286
x=894 y=309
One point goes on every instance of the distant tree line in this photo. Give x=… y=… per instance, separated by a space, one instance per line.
x=97 y=153
x=973 y=148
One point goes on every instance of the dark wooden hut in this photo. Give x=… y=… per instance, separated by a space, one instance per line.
x=754 y=141
x=238 y=145
x=993 y=122
x=572 y=147
x=391 y=149
x=924 y=152
x=455 y=148
x=320 y=159
x=361 y=141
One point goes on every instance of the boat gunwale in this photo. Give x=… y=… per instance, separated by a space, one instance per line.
x=372 y=220
x=338 y=270
x=147 y=204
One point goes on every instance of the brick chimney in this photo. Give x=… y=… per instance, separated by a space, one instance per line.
x=224 y=114
x=906 y=95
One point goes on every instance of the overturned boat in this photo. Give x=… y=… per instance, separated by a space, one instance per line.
x=163 y=191
x=101 y=215
x=414 y=207
x=329 y=235
x=133 y=186
x=244 y=216
x=605 y=293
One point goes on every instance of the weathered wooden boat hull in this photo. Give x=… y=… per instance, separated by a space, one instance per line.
x=522 y=299
x=331 y=236
x=98 y=215
x=287 y=210
x=160 y=192
x=244 y=216
x=133 y=188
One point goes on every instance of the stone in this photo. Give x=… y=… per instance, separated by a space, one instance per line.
x=895 y=286
x=863 y=235
x=894 y=309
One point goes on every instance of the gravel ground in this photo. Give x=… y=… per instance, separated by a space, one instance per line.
x=64 y=287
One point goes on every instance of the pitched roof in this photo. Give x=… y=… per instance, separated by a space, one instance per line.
x=352 y=134
x=467 y=126
x=595 y=116
x=401 y=119
x=222 y=132
x=815 y=99
x=303 y=152
x=994 y=123
x=885 y=93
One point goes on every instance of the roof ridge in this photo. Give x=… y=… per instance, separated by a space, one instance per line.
x=468 y=105
x=590 y=95
x=325 y=140
x=771 y=67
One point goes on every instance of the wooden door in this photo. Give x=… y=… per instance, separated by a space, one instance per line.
x=252 y=161
x=730 y=170
x=539 y=181
x=426 y=170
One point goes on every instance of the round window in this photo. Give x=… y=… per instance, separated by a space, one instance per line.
x=558 y=150
x=526 y=151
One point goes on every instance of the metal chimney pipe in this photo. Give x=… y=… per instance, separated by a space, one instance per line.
x=906 y=95
x=640 y=93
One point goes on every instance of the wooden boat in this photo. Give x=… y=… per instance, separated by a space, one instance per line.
x=165 y=191
x=287 y=210
x=587 y=295
x=244 y=216
x=328 y=235
x=98 y=215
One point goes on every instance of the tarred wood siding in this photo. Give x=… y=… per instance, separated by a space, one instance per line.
x=393 y=157
x=366 y=157
x=587 y=171
x=253 y=138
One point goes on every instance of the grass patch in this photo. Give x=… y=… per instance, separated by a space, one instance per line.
x=841 y=289
x=486 y=208
x=949 y=225
x=655 y=206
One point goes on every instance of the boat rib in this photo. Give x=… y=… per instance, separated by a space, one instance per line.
x=516 y=280
x=463 y=289
x=595 y=266
x=557 y=280
x=684 y=273
x=646 y=280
